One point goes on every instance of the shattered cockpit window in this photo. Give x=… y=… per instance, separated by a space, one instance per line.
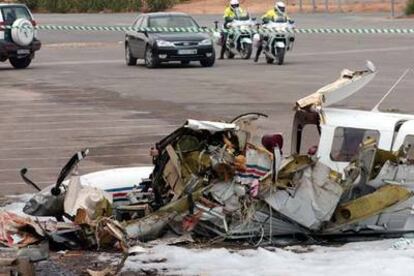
x=347 y=141
x=409 y=144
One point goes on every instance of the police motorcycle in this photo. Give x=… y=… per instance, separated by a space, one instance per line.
x=278 y=37
x=239 y=38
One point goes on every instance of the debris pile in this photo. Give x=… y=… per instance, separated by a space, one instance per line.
x=221 y=181
x=213 y=179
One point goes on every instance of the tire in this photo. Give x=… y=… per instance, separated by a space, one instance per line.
x=208 y=62
x=22 y=32
x=229 y=54
x=280 y=56
x=185 y=62
x=129 y=59
x=150 y=60
x=246 y=53
x=269 y=60
x=20 y=63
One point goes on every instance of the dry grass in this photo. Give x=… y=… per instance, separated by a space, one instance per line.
x=260 y=6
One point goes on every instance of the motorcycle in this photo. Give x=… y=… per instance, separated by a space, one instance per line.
x=276 y=44
x=239 y=39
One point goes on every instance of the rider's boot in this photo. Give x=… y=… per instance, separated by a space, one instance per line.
x=259 y=51
x=223 y=50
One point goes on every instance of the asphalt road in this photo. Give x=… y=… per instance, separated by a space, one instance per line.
x=79 y=93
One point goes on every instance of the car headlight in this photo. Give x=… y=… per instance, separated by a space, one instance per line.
x=163 y=43
x=206 y=42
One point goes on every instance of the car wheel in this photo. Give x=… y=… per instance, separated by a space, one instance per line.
x=20 y=63
x=229 y=54
x=150 y=60
x=129 y=59
x=208 y=62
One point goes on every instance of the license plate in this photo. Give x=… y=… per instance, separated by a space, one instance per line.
x=187 y=52
x=23 y=52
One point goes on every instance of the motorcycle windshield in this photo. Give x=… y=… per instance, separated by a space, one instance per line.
x=242 y=23
x=281 y=19
x=277 y=25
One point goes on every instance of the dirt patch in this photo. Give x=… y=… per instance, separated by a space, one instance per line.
x=76 y=263
x=406 y=16
x=260 y=6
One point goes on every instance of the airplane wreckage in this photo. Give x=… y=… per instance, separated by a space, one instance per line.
x=222 y=180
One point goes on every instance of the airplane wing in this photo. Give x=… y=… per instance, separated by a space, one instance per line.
x=348 y=83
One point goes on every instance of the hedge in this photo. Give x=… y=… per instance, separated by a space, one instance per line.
x=409 y=9
x=65 y=6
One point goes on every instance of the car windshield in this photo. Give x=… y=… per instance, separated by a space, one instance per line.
x=11 y=14
x=172 y=21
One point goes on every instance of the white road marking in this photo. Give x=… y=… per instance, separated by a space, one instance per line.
x=356 y=51
x=74 y=147
x=81 y=44
x=58 y=107
x=136 y=121
x=25 y=184
x=79 y=62
x=114 y=61
x=87 y=128
x=77 y=114
x=27 y=104
x=98 y=139
x=67 y=157
x=103 y=167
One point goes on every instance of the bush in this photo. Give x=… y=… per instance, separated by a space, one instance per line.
x=409 y=9
x=64 y=6
x=159 y=5
x=32 y=4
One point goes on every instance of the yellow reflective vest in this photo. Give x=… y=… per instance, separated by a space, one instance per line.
x=230 y=14
x=272 y=15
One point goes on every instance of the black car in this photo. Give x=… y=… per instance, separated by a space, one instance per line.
x=158 y=47
x=18 y=41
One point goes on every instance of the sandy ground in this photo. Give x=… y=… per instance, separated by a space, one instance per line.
x=259 y=6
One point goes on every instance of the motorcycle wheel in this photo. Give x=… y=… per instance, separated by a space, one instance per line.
x=246 y=52
x=280 y=55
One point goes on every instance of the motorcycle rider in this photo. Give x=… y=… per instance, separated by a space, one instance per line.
x=233 y=11
x=275 y=14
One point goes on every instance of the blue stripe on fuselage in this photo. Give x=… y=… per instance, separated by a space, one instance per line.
x=124 y=189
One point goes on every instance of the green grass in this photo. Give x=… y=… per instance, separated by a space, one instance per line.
x=409 y=9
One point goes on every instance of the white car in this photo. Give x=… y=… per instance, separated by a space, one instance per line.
x=18 y=37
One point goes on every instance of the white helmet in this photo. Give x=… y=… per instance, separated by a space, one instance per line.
x=234 y=4
x=280 y=7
